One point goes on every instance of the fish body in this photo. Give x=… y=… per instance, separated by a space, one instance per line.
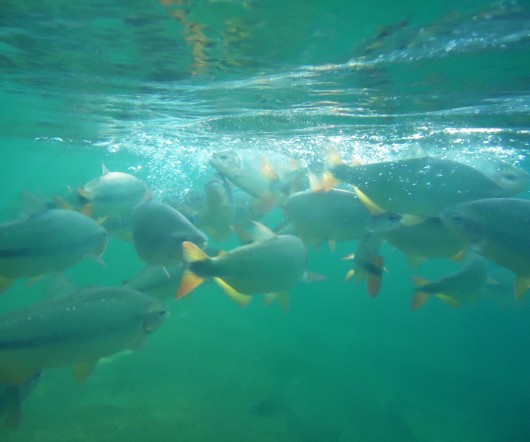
x=113 y=194
x=76 y=329
x=428 y=239
x=419 y=186
x=159 y=231
x=160 y=282
x=455 y=288
x=48 y=242
x=335 y=215
x=496 y=228
x=272 y=264
x=260 y=176
x=218 y=214
x=368 y=264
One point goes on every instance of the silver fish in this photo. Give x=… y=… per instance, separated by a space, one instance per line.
x=266 y=178
x=113 y=194
x=335 y=215
x=218 y=214
x=453 y=289
x=428 y=239
x=157 y=281
x=75 y=330
x=270 y=264
x=496 y=228
x=419 y=186
x=48 y=242
x=159 y=231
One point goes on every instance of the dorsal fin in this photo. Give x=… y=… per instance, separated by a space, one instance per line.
x=59 y=286
x=104 y=170
x=261 y=233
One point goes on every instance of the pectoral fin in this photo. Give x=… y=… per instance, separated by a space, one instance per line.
x=418 y=300
x=83 y=370
x=449 y=300
x=5 y=282
x=372 y=207
x=281 y=297
x=233 y=294
x=522 y=284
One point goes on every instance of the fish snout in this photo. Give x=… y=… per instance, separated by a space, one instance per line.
x=154 y=319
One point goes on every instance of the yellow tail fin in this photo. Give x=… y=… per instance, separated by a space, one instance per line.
x=192 y=252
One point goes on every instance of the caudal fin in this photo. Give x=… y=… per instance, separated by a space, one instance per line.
x=190 y=281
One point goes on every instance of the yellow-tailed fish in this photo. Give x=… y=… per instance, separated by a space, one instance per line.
x=335 y=215
x=112 y=194
x=270 y=264
x=266 y=178
x=75 y=330
x=218 y=214
x=498 y=229
x=453 y=289
x=418 y=186
x=50 y=241
x=428 y=239
x=368 y=263
x=160 y=282
x=159 y=231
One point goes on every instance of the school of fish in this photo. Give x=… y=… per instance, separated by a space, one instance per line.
x=426 y=207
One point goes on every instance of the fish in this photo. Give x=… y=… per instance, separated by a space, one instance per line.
x=159 y=231
x=368 y=263
x=418 y=186
x=77 y=329
x=335 y=215
x=428 y=239
x=47 y=242
x=271 y=264
x=497 y=229
x=255 y=174
x=11 y=398
x=160 y=282
x=508 y=176
x=453 y=289
x=218 y=214
x=113 y=194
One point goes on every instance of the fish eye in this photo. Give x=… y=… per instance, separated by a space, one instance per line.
x=510 y=176
x=457 y=219
x=393 y=217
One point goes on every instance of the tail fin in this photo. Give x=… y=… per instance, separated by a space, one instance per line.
x=190 y=281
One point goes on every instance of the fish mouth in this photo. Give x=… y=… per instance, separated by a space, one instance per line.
x=154 y=319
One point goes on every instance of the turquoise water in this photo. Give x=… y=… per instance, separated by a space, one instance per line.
x=153 y=88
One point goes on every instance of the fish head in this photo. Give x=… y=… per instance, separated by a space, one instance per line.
x=99 y=243
x=154 y=318
x=461 y=220
x=386 y=222
x=226 y=162
x=510 y=179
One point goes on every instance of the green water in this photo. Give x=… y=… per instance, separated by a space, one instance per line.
x=153 y=88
